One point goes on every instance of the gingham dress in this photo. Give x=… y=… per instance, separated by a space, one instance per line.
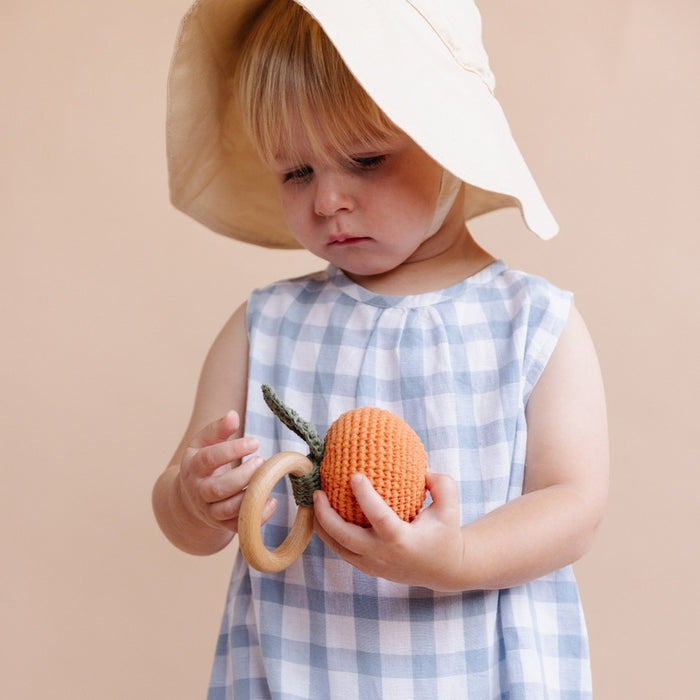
x=458 y=365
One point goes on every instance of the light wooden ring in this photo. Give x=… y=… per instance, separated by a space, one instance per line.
x=250 y=516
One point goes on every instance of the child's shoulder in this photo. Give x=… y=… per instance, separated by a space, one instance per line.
x=515 y=280
x=518 y=286
x=285 y=292
x=521 y=297
x=311 y=281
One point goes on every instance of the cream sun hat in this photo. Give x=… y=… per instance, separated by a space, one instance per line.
x=421 y=61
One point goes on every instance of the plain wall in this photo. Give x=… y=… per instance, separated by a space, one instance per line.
x=110 y=299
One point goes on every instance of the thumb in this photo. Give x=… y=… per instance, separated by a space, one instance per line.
x=218 y=431
x=442 y=487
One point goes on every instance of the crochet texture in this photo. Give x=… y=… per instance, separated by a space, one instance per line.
x=381 y=446
x=372 y=441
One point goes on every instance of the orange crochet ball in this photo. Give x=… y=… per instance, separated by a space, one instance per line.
x=384 y=448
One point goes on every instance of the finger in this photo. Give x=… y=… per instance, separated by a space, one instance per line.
x=219 y=487
x=327 y=518
x=332 y=544
x=206 y=460
x=325 y=536
x=228 y=509
x=218 y=431
x=443 y=489
x=225 y=513
x=380 y=515
x=269 y=509
x=341 y=536
x=444 y=494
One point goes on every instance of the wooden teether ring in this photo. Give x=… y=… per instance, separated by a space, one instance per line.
x=250 y=516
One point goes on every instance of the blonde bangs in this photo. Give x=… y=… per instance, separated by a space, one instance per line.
x=292 y=77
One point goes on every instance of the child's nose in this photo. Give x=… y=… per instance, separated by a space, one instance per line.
x=332 y=196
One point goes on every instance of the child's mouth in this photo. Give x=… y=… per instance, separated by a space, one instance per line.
x=344 y=240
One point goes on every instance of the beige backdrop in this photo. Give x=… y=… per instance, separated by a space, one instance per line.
x=110 y=299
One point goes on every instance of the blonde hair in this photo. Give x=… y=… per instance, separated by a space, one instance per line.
x=291 y=74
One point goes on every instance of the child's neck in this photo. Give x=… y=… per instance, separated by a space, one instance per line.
x=431 y=271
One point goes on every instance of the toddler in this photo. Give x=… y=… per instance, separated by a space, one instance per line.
x=367 y=132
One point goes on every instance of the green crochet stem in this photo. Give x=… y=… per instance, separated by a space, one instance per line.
x=303 y=487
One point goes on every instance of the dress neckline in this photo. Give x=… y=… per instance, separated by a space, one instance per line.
x=344 y=284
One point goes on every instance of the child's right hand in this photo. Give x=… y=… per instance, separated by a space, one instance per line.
x=212 y=478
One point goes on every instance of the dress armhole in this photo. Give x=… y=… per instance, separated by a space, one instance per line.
x=548 y=316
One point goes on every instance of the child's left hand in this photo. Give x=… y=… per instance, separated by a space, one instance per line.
x=425 y=552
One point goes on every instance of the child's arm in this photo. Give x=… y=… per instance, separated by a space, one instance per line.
x=197 y=498
x=549 y=526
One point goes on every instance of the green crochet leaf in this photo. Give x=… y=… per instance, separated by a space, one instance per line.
x=305 y=430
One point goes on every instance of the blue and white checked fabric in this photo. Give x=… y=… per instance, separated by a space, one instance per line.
x=458 y=365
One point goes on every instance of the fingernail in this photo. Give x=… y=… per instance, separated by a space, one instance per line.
x=251 y=444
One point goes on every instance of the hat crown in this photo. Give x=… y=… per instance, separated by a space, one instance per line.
x=457 y=23
x=422 y=61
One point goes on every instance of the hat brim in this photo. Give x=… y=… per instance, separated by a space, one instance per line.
x=216 y=175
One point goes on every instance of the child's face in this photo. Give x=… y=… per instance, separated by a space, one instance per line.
x=367 y=216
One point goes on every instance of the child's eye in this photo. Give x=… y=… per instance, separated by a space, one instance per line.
x=301 y=174
x=368 y=162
